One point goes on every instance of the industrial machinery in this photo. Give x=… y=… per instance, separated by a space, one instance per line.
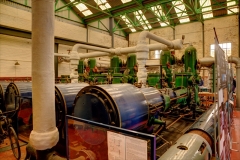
x=163 y=79
x=64 y=96
x=117 y=73
x=126 y=106
x=90 y=73
x=197 y=142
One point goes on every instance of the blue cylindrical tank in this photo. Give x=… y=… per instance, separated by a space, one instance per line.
x=121 y=105
x=152 y=95
x=23 y=89
x=65 y=94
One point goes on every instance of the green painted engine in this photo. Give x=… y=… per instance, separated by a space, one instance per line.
x=90 y=73
x=164 y=78
x=117 y=73
x=189 y=78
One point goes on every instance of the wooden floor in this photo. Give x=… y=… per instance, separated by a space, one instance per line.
x=6 y=152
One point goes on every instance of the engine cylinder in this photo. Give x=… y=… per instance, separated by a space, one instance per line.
x=121 y=105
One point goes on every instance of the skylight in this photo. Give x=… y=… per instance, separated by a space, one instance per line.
x=232 y=7
x=128 y=23
x=83 y=8
x=103 y=4
x=181 y=11
x=206 y=8
x=142 y=19
x=125 y=1
x=159 y=13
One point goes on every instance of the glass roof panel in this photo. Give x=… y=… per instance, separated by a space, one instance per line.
x=87 y=12
x=208 y=15
x=142 y=19
x=125 y=1
x=83 y=8
x=103 y=4
x=181 y=11
x=232 y=7
x=128 y=23
x=206 y=8
x=159 y=13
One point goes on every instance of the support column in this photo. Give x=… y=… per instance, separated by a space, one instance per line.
x=111 y=22
x=44 y=134
x=56 y=60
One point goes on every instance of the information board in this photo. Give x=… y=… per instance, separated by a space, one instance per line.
x=96 y=141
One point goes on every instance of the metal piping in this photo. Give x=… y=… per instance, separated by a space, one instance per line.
x=141 y=49
x=236 y=61
x=45 y=133
x=207 y=61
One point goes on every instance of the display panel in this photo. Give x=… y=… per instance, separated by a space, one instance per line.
x=96 y=141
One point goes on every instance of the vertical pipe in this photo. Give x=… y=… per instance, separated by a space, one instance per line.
x=44 y=134
x=87 y=35
x=203 y=46
x=174 y=32
x=111 y=22
x=56 y=60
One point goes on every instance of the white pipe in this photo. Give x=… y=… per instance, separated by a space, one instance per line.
x=44 y=134
x=61 y=55
x=84 y=46
x=142 y=50
x=207 y=61
x=236 y=61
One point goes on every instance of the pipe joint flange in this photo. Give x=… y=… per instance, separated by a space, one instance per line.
x=43 y=141
x=117 y=51
x=142 y=47
x=177 y=44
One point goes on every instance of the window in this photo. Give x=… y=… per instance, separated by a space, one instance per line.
x=157 y=54
x=226 y=47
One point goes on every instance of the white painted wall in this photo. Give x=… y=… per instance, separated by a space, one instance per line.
x=227 y=31
x=193 y=35
x=99 y=37
x=14 y=49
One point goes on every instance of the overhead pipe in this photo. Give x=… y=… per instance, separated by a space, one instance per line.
x=208 y=61
x=141 y=49
x=236 y=61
